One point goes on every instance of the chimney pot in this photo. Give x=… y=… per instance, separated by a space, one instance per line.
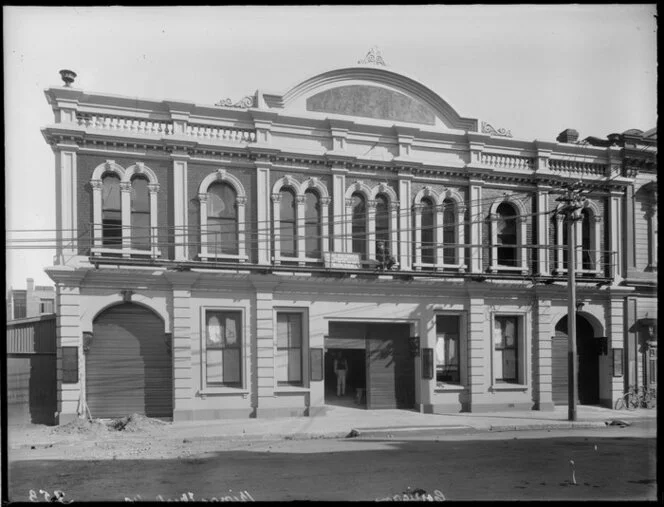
x=568 y=136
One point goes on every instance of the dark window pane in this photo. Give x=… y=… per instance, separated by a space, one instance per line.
x=428 y=231
x=231 y=366
x=447 y=349
x=382 y=224
x=311 y=206
x=110 y=192
x=287 y=224
x=312 y=225
x=140 y=230
x=585 y=240
x=111 y=228
x=140 y=196
x=449 y=232
x=359 y=232
x=221 y=236
x=221 y=201
x=506 y=234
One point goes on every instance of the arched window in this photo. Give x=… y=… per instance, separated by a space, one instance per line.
x=221 y=235
x=287 y=223
x=428 y=232
x=506 y=235
x=382 y=227
x=111 y=211
x=359 y=232
x=312 y=224
x=449 y=232
x=140 y=213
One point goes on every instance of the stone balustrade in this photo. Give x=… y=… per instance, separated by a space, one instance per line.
x=587 y=168
x=219 y=133
x=162 y=128
x=507 y=161
x=124 y=124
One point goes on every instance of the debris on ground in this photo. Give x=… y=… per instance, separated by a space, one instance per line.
x=353 y=433
x=617 y=422
x=135 y=423
x=81 y=426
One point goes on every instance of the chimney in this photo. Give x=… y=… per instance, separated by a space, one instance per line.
x=568 y=136
x=31 y=285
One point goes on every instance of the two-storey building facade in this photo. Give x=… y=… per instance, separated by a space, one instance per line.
x=213 y=259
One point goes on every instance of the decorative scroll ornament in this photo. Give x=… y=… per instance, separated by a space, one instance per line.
x=373 y=58
x=488 y=129
x=247 y=101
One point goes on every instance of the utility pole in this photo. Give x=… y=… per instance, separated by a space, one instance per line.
x=572 y=210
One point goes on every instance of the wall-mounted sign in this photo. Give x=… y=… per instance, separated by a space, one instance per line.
x=338 y=260
x=427 y=364
x=316 y=364
x=617 y=362
x=69 y=365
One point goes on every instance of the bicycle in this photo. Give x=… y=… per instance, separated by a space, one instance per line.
x=637 y=397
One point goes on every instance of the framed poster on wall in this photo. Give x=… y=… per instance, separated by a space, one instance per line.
x=617 y=362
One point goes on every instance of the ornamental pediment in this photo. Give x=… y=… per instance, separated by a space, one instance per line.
x=374 y=92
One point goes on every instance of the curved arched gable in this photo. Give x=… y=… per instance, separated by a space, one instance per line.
x=373 y=92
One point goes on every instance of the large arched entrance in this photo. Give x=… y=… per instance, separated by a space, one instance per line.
x=129 y=364
x=587 y=350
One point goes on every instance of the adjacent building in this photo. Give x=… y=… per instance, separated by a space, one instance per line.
x=33 y=301
x=213 y=259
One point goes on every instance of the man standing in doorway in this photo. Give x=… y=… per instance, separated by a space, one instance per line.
x=341 y=370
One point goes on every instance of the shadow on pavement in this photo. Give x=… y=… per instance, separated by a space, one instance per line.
x=578 y=468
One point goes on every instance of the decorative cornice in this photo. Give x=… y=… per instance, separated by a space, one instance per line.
x=373 y=57
x=244 y=102
x=488 y=129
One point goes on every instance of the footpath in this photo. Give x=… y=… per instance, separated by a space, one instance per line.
x=339 y=422
x=142 y=434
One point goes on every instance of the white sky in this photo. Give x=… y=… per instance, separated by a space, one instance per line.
x=533 y=69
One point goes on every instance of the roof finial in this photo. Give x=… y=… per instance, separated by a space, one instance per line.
x=373 y=57
x=68 y=77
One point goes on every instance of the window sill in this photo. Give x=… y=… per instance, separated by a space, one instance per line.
x=449 y=388
x=497 y=268
x=206 y=257
x=124 y=251
x=508 y=387
x=222 y=391
x=290 y=389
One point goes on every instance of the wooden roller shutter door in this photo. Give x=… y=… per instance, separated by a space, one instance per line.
x=390 y=368
x=129 y=365
x=559 y=377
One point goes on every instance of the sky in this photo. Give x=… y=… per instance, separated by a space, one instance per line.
x=532 y=69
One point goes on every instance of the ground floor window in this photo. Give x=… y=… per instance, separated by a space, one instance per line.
x=447 y=349
x=288 y=367
x=506 y=349
x=223 y=348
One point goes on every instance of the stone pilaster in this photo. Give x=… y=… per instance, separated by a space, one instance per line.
x=263 y=211
x=339 y=226
x=478 y=364
x=180 y=206
x=69 y=334
x=67 y=198
x=475 y=217
x=265 y=347
x=405 y=222
x=542 y=389
x=181 y=323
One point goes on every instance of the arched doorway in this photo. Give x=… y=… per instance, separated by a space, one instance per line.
x=587 y=350
x=129 y=364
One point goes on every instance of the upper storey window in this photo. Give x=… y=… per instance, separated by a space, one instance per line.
x=438 y=230
x=124 y=209
x=222 y=217
x=312 y=224
x=140 y=213
x=428 y=231
x=300 y=220
x=222 y=226
x=506 y=235
x=111 y=211
x=359 y=225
